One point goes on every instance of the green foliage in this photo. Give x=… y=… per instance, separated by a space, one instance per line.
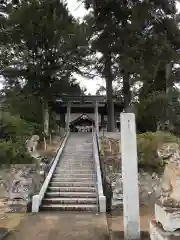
x=46 y=50
x=151 y=110
x=14 y=128
x=158 y=107
x=140 y=38
x=147 y=145
x=13 y=153
x=48 y=47
x=14 y=131
x=18 y=100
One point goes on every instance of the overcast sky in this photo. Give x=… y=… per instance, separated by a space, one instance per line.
x=78 y=11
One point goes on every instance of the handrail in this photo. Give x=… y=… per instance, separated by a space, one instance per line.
x=101 y=196
x=37 y=199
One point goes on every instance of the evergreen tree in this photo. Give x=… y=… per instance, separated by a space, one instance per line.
x=48 y=47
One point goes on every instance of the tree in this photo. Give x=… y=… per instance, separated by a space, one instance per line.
x=21 y=101
x=141 y=37
x=47 y=48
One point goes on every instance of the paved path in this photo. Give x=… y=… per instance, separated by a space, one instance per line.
x=64 y=226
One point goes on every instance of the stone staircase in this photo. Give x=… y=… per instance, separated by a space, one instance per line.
x=73 y=183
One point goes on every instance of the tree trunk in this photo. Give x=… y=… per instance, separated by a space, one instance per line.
x=169 y=86
x=109 y=93
x=169 y=82
x=126 y=92
x=46 y=118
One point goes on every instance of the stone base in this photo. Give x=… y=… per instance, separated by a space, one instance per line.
x=169 y=217
x=3 y=233
x=156 y=232
x=119 y=235
x=16 y=206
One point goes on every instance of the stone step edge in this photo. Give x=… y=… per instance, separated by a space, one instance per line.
x=70 y=199
x=73 y=179
x=75 y=175
x=71 y=194
x=86 y=184
x=75 y=170
x=69 y=206
x=72 y=187
x=78 y=170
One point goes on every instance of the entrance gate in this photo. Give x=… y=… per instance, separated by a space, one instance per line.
x=70 y=108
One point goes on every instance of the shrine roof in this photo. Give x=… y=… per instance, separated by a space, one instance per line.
x=80 y=98
x=82 y=103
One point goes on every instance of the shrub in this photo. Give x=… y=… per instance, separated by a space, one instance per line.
x=14 y=128
x=147 y=145
x=14 y=132
x=13 y=153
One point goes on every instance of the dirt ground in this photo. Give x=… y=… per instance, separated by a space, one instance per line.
x=51 y=148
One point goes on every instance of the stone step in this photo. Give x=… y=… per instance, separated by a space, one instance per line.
x=85 y=154
x=75 y=175
x=79 y=145
x=70 y=194
x=74 y=171
x=85 y=162
x=77 y=159
x=71 y=189
x=66 y=180
x=47 y=201
x=77 y=156
x=83 y=157
x=72 y=207
x=72 y=184
x=75 y=165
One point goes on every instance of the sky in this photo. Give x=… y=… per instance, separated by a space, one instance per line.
x=78 y=11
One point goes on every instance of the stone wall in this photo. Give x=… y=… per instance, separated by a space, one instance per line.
x=18 y=183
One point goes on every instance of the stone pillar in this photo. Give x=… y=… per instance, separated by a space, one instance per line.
x=115 y=125
x=96 y=118
x=130 y=177
x=68 y=118
x=63 y=120
x=46 y=118
x=102 y=120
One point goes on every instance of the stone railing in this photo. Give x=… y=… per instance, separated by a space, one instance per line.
x=37 y=199
x=101 y=196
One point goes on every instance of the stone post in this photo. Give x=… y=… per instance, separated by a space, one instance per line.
x=130 y=177
x=102 y=120
x=96 y=118
x=68 y=115
x=63 y=120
